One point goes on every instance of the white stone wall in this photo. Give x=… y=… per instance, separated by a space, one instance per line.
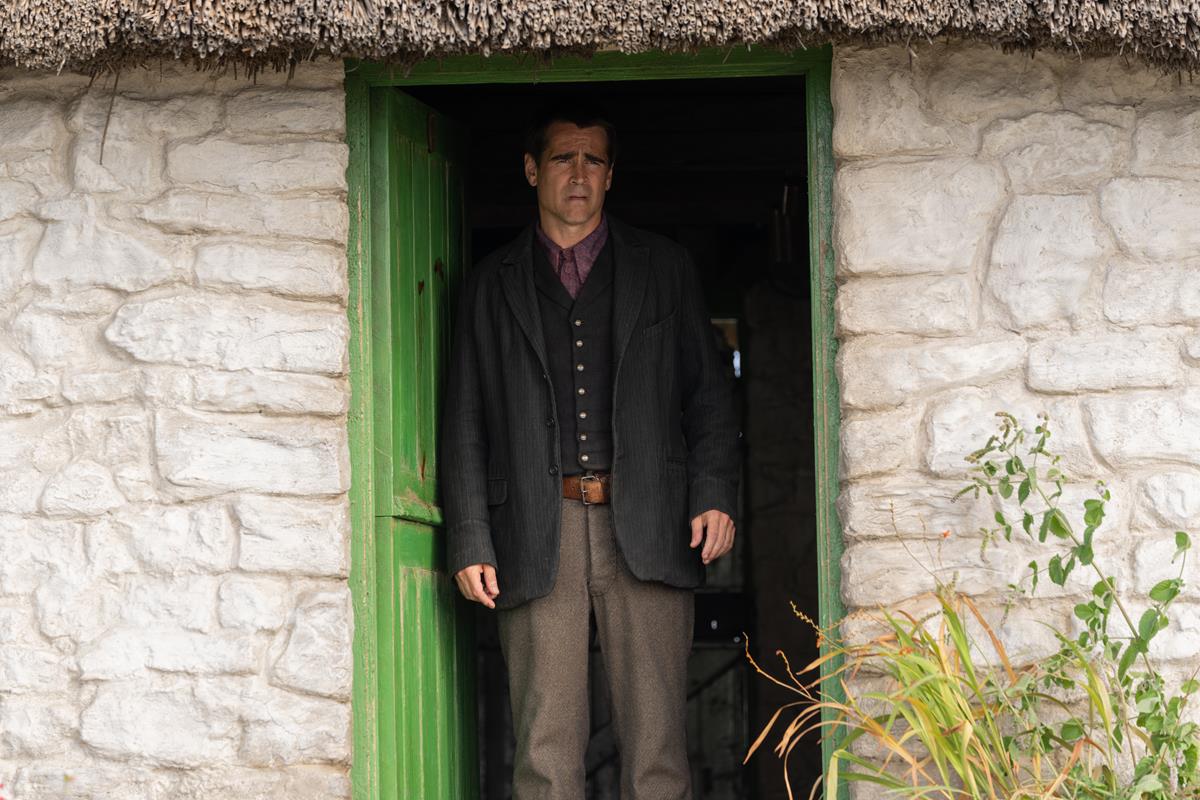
x=1018 y=233
x=174 y=613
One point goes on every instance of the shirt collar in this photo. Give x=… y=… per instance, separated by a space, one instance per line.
x=588 y=247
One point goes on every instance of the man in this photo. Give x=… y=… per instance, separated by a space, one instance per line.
x=589 y=462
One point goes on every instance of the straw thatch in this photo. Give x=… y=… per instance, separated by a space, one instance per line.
x=98 y=33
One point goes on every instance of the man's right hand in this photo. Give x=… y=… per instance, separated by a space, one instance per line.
x=478 y=582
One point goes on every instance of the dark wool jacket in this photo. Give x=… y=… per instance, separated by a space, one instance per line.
x=675 y=436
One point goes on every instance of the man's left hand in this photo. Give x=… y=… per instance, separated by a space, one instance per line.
x=719 y=540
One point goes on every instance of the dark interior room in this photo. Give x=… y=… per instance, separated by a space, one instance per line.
x=720 y=167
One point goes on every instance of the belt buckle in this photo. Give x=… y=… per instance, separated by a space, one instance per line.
x=583 y=479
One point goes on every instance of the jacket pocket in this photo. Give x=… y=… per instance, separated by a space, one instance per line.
x=497 y=491
x=663 y=324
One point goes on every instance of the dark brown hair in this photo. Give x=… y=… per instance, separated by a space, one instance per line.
x=579 y=116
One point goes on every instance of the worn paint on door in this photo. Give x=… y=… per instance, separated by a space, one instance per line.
x=425 y=647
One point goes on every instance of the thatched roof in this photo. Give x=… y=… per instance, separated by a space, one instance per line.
x=97 y=33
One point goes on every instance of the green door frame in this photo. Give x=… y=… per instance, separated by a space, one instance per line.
x=363 y=82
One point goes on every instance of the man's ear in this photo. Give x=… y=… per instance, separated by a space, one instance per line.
x=530 y=170
x=608 y=183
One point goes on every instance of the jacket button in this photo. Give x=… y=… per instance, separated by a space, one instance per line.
x=554 y=470
x=578 y=322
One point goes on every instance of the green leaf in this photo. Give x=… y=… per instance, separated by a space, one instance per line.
x=1166 y=590
x=1027 y=522
x=1148 y=624
x=1071 y=730
x=1005 y=487
x=1084 y=552
x=1127 y=658
x=1058 y=524
x=1034 y=567
x=1182 y=544
x=1000 y=518
x=1044 y=527
x=1058 y=575
x=1085 y=611
x=1023 y=491
x=1094 y=512
x=1189 y=686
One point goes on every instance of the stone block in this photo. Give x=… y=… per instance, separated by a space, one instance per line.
x=1167 y=143
x=936 y=224
x=304 y=537
x=1153 y=294
x=275 y=167
x=977 y=84
x=29 y=126
x=1116 y=81
x=204 y=653
x=318 y=656
x=873 y=444
x=108 y=551
x=1103 y=361
x=1191 y=348
x=20 y=381
x=101 y=387
x=913 y=509
x=293 y=783
x=890 y=571
x=1169 y=499
x=253 y=603
x=18 y=242
x=960 y=422
x=1056 y=151
x=53 y=341
x=296 y=729
x=17 y=198
x=1047 y=253
x=879 y=109
x=1154 y=218
x=1140 y=428
x=180 y=539
x=281 y=727
x=323 y=218
x=230 y=332
x=279 y=392
x=117 y=654
x=83 y=488
x=300 y=270
x=213 y=453
x=32 y=550
x=25 y=670
x=132 y=156
x=187 y=602
x=81 y=254
x=284 y=110
x=75 y=605
x=35 y=727
x=924 y=305
x=879 y=372
x=127 y=719
x=69 y=779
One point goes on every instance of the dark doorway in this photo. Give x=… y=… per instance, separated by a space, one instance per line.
x=718 y=165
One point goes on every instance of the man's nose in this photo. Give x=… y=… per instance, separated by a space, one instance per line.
x=577 y=172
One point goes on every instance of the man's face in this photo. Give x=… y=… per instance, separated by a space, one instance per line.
x=573 y=175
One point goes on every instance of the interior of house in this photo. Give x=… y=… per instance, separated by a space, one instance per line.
x=720 y=166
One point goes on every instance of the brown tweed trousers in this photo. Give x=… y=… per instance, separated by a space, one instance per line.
x=645 y=632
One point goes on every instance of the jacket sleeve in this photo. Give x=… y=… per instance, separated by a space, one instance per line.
x=463 y=452
x=710 y=424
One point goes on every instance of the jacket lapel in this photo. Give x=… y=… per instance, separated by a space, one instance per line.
x=516 y=279
x=630 y=263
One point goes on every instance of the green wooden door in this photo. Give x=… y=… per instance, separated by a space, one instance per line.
x=425 y=647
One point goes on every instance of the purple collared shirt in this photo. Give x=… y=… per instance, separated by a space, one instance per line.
x=583 y=253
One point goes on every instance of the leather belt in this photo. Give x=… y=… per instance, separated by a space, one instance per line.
x=591 y=488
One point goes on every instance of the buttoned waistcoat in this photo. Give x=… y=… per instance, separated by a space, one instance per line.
x=675 y=439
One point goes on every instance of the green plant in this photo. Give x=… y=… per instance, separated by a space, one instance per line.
x=1097 y=719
